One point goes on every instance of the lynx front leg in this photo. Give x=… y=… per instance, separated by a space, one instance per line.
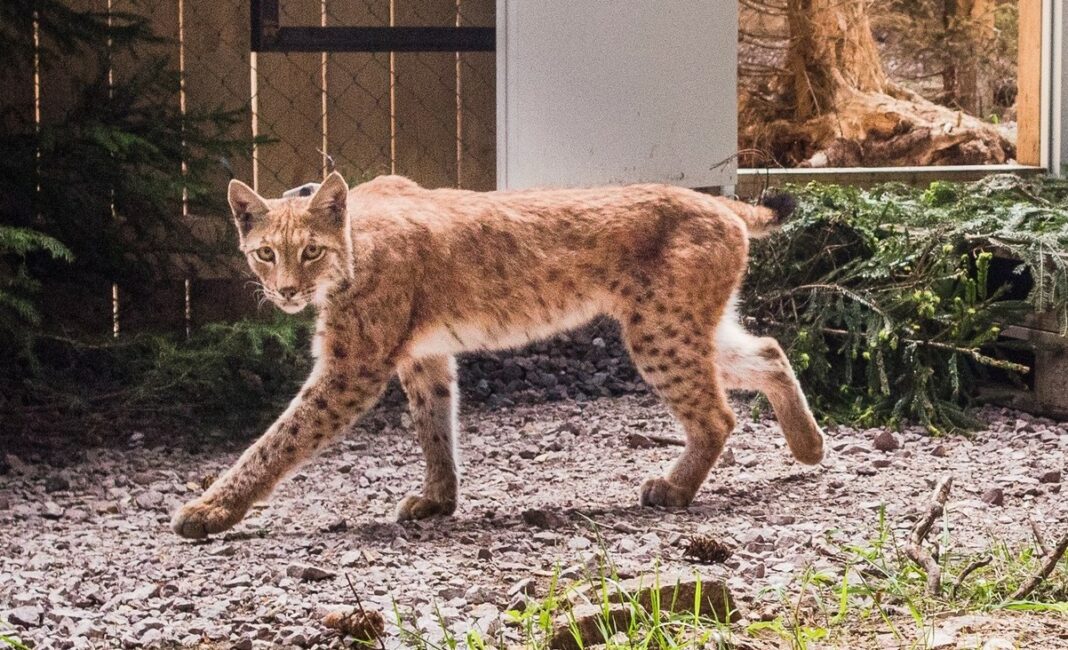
x=430 y=384
x=333 y=396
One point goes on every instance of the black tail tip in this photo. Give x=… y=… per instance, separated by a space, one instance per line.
x=781 y=203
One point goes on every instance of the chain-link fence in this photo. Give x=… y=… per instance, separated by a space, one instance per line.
x=428 y=115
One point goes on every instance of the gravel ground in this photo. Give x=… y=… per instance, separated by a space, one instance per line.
x=87 y=558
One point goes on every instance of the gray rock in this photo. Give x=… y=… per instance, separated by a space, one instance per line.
x=543 y=519
x=1052 y=476
x=994 y=496
x=26 y=616
x=885 y=440
x=56 y=483
x=308 y=572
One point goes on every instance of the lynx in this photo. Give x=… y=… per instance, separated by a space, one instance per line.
x=404 y=278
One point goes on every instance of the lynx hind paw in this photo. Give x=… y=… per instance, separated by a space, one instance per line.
x=419 y=507
x=659 y=492
x=198 y=519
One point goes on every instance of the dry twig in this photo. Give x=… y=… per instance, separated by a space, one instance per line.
x=1051 y=563
x=915 y=551
x=1039 y=542
x=645 y=440
x=978 y=564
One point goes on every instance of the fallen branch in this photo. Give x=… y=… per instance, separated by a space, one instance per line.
x=1039 y=542
x=1051 y=563
x=915 y=551
x=643 y=441
x=978 y=564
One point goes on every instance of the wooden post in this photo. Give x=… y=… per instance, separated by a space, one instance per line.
x=358 y=119
x=1029 y=84
x=425 y=92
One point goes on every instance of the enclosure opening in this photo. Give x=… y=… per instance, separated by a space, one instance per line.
x=906 y=83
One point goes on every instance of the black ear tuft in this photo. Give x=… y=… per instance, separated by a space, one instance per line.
x=782 y=204
x=244 y=222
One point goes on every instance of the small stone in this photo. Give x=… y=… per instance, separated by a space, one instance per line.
x=994 y=497
x=940 y=451
x=1052 y=476
x=578 y=543
x=308 y=573
x=886 y=441
x=524 y=587
x=27 y=616
x=479 y=594
x=350 y=558
x=148 y=500
x=882 y=463
x=485 y=554
x=52 y=510
x=781 y=520
x=243 y=644
x=866 y=470
x=543 y=518
x=243 y=580
x=56 y=483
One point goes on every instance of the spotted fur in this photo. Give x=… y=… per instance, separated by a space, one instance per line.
x=404 y=278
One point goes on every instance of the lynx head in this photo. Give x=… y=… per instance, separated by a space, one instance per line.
x=298 y=247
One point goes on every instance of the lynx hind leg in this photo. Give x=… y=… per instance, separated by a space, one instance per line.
x=758 y=363
x=430 y=384
x=679 y=366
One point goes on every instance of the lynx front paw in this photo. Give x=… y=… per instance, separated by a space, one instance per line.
x=419 y=507
x=659 y=492
x=198 y=519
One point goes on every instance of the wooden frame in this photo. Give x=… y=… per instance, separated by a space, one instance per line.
x=269 y=35
x=1041 y=115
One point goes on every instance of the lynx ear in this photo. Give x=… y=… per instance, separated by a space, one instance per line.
x=331 y=199
x=247 y=206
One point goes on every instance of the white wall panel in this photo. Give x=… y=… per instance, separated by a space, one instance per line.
x=616 y=91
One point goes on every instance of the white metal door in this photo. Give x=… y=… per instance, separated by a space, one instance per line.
x=616 y=91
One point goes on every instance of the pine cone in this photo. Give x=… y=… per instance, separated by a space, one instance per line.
x=707 y=550
x=363 y=626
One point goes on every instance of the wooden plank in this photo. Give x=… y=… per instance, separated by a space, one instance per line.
x=64 y=75
x=289 y=109
x=478 y=104
x=152 y=305
x=425 y=92
x=157 y=307
x=17 y=80
x=216 y=41
x=752 y=181
x=1029 y=84
x=225 y=300
x=76 y=310
x=357 y=112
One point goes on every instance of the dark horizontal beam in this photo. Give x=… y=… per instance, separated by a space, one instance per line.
x=374 y=39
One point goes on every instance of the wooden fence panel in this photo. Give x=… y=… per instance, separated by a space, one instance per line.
x=216 y=300
x=425 y=99
x=289 y=100
x=153 y=305
x=1029 y=84
x=477 y=110
x=63 y=75
x=17 y=80
x=358 y=106
x=216 y=41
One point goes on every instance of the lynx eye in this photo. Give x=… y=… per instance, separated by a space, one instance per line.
x=265 y=254
x=313 y=252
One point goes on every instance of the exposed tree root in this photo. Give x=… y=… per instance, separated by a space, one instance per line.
x=915 y=551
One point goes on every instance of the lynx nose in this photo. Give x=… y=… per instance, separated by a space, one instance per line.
x=288 y=292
